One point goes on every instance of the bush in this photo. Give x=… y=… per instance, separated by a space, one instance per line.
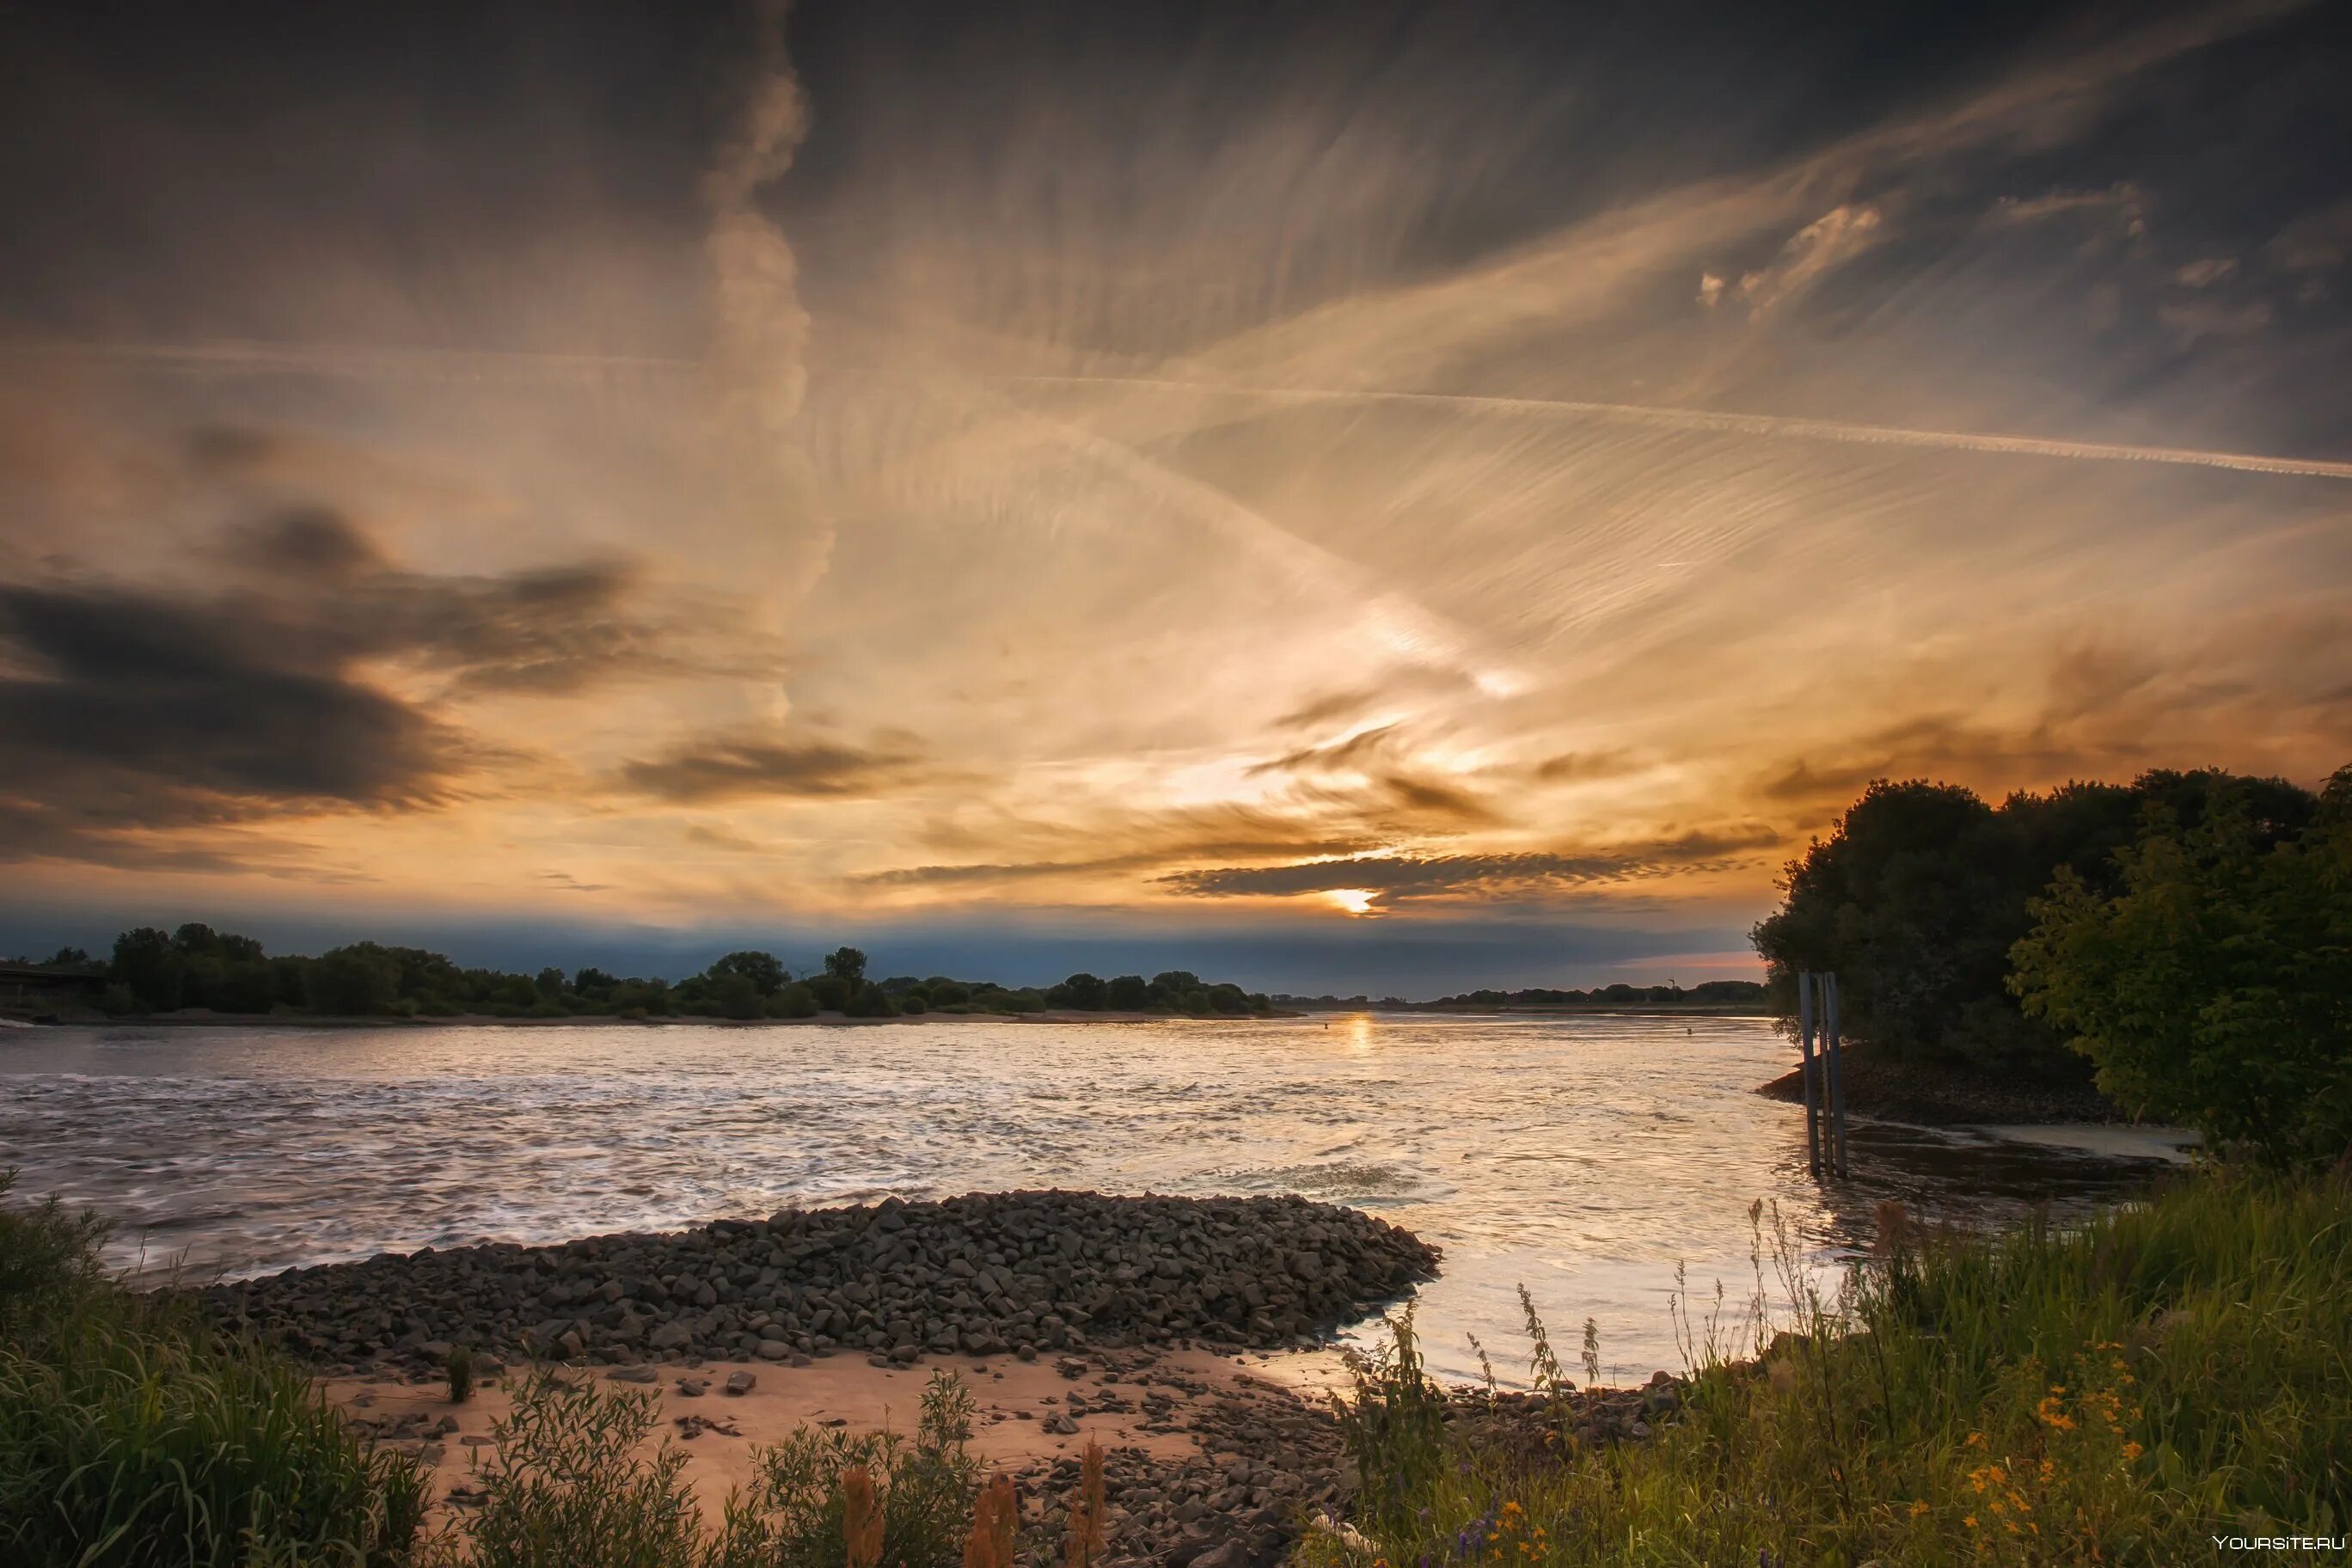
x=738 y=995
x=566 y=1487
x=132 y=1434
x=870 y=1001
x=2214 y=988
x=795 y=1509
x=794 y=1001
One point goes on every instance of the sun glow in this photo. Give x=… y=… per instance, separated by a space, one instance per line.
x=1352 y=901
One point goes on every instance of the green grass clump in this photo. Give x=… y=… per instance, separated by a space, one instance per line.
x=567 y=1486
x=131 y=1433
x=795 y=1512
x=2119 y=1393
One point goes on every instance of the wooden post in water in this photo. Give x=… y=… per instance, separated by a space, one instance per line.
x=1812 y=1101
x=1836 y=1053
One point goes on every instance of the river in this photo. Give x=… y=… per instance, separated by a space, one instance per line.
x=1587 y=1158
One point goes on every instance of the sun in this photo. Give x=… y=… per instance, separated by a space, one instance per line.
x=1352 y=901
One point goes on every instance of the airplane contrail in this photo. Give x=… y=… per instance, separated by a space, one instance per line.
x=238 y=358
x=1668 y=418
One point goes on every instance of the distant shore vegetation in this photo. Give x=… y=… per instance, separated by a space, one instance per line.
x=1713 y=995
x=152 y=971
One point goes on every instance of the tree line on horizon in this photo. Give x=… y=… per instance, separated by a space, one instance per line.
x=2186 y=939
x=151 y=970
x=1709 y=993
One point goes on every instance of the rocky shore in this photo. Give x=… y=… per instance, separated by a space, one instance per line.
x=991 y=1274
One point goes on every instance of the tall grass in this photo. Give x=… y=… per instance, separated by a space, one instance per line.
x=132 y=1434
x=2119 y=1393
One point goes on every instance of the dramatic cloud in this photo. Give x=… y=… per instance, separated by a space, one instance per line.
x=1149 y=464
x=721 y=768
x=1392 y=878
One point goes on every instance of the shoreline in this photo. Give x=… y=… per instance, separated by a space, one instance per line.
x=1931 y=1096
x=196 y=1018
x=1072 y=1317
x=199 y=1018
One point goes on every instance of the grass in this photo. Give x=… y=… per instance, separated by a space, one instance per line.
x=132 y=1434
x=2119 y=1393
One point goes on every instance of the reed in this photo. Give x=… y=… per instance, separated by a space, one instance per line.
x=2119 y=1391
x=132 y=1434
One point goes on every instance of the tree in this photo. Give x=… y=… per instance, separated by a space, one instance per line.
x=1127 y=993
x=65 y=958
x=2214 y=986
x=549 y=984
x=359 y=980
x=847 y=965
x=1922 y=890
x=737 y=993
x=870 y=1001
x=795 y=1000
x=1083 y=991
x=761 y=969
x=150 y=968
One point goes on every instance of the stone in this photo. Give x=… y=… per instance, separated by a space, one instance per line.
x=776 y=1349
x=670 y=1336
x=633 y=1374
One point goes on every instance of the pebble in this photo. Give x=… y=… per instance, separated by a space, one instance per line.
x=1025 y=1273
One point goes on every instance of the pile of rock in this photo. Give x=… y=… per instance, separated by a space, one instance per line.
x=986 y=1274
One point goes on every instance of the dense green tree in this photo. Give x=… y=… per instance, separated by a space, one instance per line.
x=847 y=964
x=794 y=1000
x=831 y=991
x=593 y=981
x=1128 y=993
x=737 y=993
x=359 y=980
x=2213 y=986
x=149 y=968
x=1922 y=889
x=1083 y=991
x=766 y=974
x=870 y=1001
x=548 y=983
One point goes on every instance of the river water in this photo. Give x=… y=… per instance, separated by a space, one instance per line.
x=1586 y=1158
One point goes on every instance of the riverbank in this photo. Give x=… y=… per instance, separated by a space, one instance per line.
x=200 y=1017
x=1201 y=1450
x=2124 y=1391
x=1932 y=1095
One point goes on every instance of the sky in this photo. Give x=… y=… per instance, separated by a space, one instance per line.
x=1356 y=496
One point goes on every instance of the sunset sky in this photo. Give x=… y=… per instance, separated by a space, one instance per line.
x=1351 y=496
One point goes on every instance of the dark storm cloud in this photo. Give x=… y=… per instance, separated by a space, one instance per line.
x=206 y=697
x=724 y=767
x=128 y=709
x=1478 y=876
